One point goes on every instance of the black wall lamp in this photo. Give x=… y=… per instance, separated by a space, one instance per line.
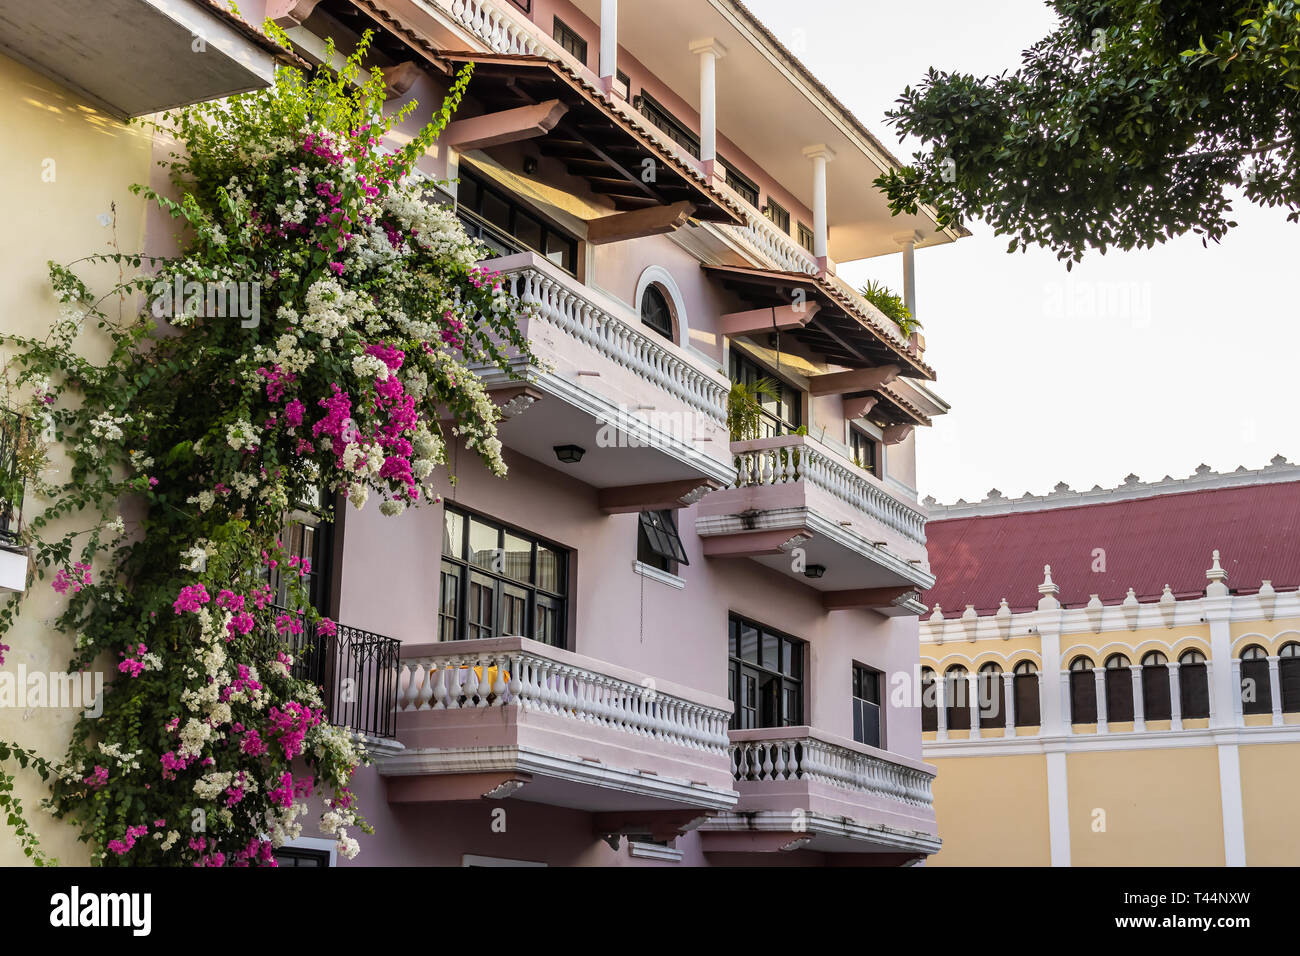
x=570 y=454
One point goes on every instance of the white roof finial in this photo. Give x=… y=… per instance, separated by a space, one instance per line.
x=1217 y=577
x=1048 y=586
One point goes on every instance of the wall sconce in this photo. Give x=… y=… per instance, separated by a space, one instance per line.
x=814 y=570
x=530 y=165
x=569 y=454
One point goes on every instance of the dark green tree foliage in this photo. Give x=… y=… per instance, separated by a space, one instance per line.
x=1128 y=125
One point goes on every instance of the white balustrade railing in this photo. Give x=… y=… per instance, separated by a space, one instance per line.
x=761 y=236
x=563 y=305
x=500 y=30
x=791 y=458
x=464 y=679
x=807 y=758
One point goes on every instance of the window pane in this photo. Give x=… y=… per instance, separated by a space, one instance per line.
x=482 y=595
x=771 y=651
x=749 y=643
x=484 y=545
x=562 y=251
x=496 y=210
x=514 y=612
x=518 y=558
x=550 y=570
x=528 y=230
x=448 y=602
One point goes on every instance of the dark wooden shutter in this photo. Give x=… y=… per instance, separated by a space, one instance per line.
x=1288 y=675
x=1257 y=671
x=1027 y=706
x=1083 y=698
x=1194 y=690
x=1155 y=692
x=1119 y=694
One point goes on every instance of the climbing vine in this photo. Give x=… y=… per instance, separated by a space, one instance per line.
x=319 y=322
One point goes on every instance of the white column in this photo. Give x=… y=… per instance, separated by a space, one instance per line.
x=973 y=704
x=1238 y=713
x=1058 y=807
x=1224 y=671
x=820 y=156
x=1139 y=705
x=941 y=706
x=1067 y=718
x=608 y=42
x=907 y=241
x=1175 y=698
x=1099 y=676
x=1234 y=826
x=1009 y=702
x=709 y=51
x=1275 y=691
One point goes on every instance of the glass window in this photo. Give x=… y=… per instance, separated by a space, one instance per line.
x=1193 y=685
x=765 y=676
x=1156 y=700
x=1288 y=676
x=1256 y=689
x=1119 y=689
x=656 y=313
x=677 y=131
x=1025 y=685
x=991 y=697
x=1083 y=692
x=571 y=41
x=957 y=697
x=658 y=543
x=779 y=215
x=866 y=706
x=866 y=451
x=929 y=700
x=782 y=412
x=742 y=184
x=806 y=238
x=506 y=227
x=497 y=581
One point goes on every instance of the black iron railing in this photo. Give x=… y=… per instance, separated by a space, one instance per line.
x=356 y=671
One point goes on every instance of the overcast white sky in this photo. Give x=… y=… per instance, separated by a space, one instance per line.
x=1147 y=362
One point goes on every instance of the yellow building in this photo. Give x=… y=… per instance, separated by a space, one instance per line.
x=1120 y=684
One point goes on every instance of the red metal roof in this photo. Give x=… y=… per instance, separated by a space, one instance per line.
x=1147 y=543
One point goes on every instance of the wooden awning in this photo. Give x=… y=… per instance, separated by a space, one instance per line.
x=594 y=139
x=843 y=331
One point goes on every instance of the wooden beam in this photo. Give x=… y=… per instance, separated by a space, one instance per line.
x=856 y=380
x=654 y=221
x=865 y=597
x=506 y=126
x=663 y=496
x=780 y=317
x=859 y=407
x=896 y=433
x=399 y=79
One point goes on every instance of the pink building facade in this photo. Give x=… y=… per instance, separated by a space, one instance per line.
x=657 y=642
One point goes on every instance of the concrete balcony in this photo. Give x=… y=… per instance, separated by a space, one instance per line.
x=795 y=506
x=509 y=717
x=133 y=57
x=649 y=416
x=802 y=789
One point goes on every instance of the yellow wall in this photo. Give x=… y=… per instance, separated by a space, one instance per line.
x=91 y=160
x=992 y=811
x=1270 y=780
x=1161 y=807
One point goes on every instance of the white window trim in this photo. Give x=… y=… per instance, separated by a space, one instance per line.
x=653 y=851
x=658 y=275
x=655 y=574
x=314 y=843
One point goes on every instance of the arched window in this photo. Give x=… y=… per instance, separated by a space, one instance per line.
x=957 y=697
x=656 y=313
x=1119 y=689
x=1083 y=692
x=1288 y=675
x=1156 y=703
x=1256 y=693
x=991 y=697
x=1193 y=685
x=929 y=705
x=1026 y=690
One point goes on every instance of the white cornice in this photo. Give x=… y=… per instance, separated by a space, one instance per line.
x=1092 y=743
x=1062 y=496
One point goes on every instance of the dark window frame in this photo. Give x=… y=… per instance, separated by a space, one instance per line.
x=570 y=40
x=663 y=120
x=320 y=858
x=1255 y=668
x=745 y=370
x=868 y=714
x=1119 y=690
x=1025 y=689
x=788 y=683
x=990 y=716
x=957 y=702
x=462 y=579
x=1288 y=676
x=1157 y=702
x=777 y=214
x=659 y=542
x=1083 y=692
x=860 y=441
x=742 y=185
x=503 y=239
x=929 y=701
x=807 y=238
x=668 y=328
x=1193 y=685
